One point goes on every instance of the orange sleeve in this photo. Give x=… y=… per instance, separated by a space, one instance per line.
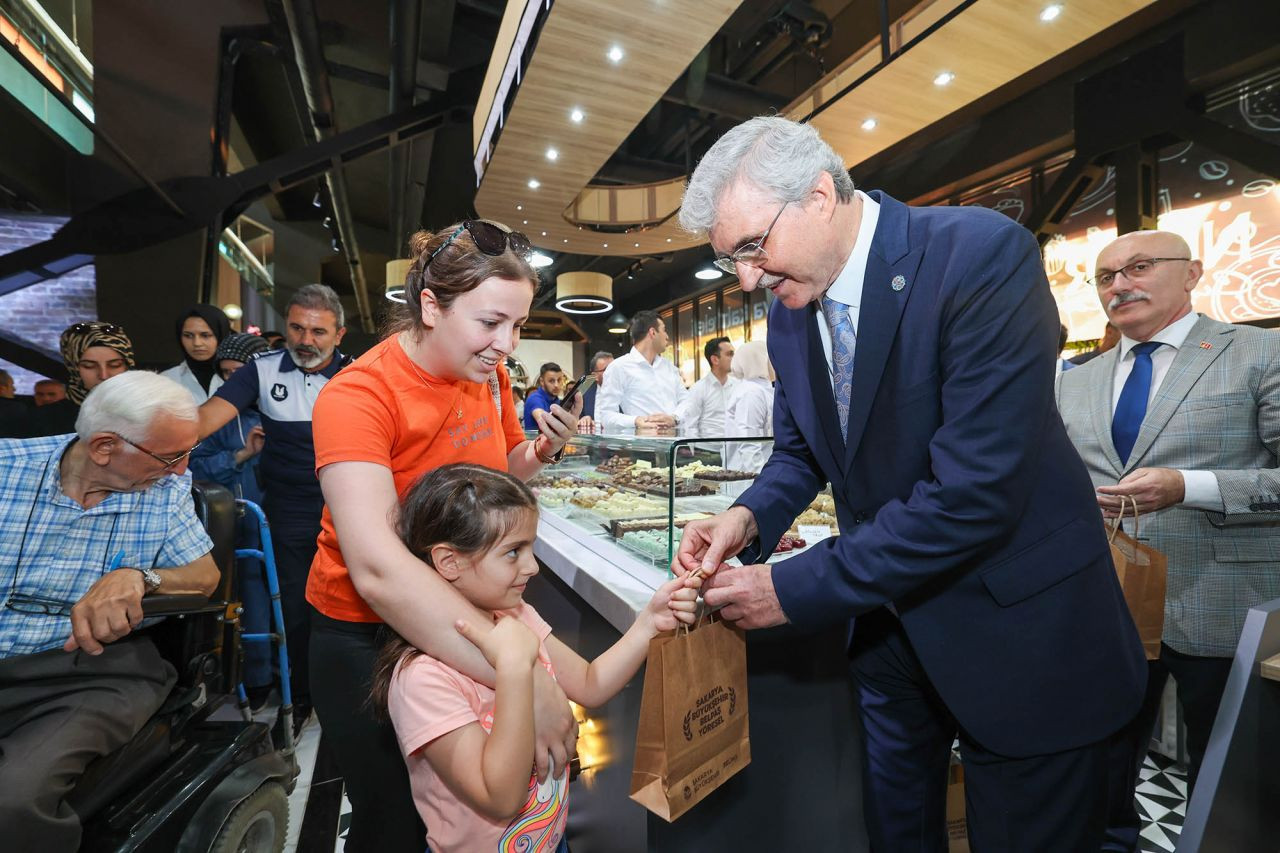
x=510 y=424
x=352 y=421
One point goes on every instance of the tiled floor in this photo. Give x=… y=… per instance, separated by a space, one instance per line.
x=1162 y=803
x=1161 y=793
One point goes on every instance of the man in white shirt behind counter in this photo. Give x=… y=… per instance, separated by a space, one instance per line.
x=641 y=389
x=702 y=412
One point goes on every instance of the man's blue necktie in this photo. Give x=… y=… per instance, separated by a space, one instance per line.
x=1132 y=405
x=843 y=339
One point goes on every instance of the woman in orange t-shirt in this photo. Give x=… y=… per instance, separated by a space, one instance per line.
x=434 y=391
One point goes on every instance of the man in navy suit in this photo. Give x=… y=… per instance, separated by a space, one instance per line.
x=914 y=350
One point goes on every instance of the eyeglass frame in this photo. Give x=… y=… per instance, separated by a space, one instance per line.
x=166 y=462
x=1126 y=271
x=729 y=263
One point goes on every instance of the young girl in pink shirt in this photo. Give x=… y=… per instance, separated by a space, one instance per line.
x=469 y=748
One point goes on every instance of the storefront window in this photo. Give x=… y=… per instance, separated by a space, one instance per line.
x=708 y=328
x=733 y=315
x=686 y=360
x=759 y=313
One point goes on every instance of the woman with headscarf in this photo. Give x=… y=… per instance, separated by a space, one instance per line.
x=200 y=330
x=749 y=410
x=93 y=353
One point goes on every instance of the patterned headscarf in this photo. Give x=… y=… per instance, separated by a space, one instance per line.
x=239 y=346
x=78 y=338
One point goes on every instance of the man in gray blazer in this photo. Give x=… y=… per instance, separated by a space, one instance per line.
x=1183 y=415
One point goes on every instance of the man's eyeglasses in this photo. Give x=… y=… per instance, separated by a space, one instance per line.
x=37 y=606
x=168 y=463
x=1134 y=271
x=489 y=238
x=752 y=254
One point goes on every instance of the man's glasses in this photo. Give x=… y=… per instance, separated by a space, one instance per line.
x=752 y=254
x=1134 y=271
x=37 y=606
x=168 y=463
x=489 y=238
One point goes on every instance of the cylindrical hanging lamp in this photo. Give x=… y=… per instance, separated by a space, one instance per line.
x=584 y=292
x=397 y=272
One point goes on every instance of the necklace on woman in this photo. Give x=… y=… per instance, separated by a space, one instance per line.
x=457 y=409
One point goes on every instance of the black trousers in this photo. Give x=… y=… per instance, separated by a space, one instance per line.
x=1200 y=683
x=1043 y=803
x=383 y=816
x=58 y=712
x=295 y=524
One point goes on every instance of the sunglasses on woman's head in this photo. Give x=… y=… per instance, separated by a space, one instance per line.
x=489 y=238
x=106 y=328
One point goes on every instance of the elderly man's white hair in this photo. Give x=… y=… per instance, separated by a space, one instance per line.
x=127 y=404
x=779 y=156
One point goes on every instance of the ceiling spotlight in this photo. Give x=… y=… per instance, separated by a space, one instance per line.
x=944 y=78
x=707 y=273
x=637 y=245
x=552 y=154
x=668 y=239
x=544 y=233
x=316 y=202
x=576 y=115
x=538 y=260
x=606 y=245
x=1050 y=13
x=519 y=207
x=870 y=124
x=534 y=183
x=566 y=239
x=333 y=244
x=615 y=54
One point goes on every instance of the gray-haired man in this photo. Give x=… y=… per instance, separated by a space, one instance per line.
x=283 y=385
x=1183 y=416
x=93 y=522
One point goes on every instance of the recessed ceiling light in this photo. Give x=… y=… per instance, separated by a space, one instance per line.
x=576 y=115
x=708 y=273
x=552 y=154
x=544 y=233
x=534 y=183
x=519 y=207
x=615 y=54
x=944 y=78
x=606 y=245
x=539 y=260
x=668 y=239
x=524 y=222
x=870 y=124
x=566 y=239
x=1050 y=13
x=637 y=245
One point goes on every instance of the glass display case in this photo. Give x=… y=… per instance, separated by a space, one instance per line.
x=638 y=492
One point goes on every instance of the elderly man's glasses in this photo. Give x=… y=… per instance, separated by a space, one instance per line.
x=168 y=463
x=752 y=254
x=1135 y=271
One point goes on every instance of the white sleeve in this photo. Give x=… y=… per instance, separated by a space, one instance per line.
x=690 y=409
x=1201 y=491
x=609 y=400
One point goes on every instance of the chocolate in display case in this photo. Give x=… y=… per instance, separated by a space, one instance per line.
x=640 y=491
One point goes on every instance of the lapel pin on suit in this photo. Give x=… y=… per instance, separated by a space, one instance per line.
x=898 y=282
x=1206 y=345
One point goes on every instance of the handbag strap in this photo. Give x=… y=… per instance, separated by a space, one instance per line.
x=496 y=391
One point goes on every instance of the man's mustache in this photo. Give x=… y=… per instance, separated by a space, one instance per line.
x=1127 y=296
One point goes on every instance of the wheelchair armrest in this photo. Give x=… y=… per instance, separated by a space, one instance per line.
x=168 y=605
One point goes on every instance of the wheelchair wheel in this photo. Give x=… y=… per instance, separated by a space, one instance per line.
x=257 y=825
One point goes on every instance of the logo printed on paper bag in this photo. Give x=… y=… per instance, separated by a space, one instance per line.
x=707 y=714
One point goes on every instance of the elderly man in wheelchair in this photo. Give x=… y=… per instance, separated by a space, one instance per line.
x=90 y=525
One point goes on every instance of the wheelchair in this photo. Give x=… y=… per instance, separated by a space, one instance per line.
x=186 y=782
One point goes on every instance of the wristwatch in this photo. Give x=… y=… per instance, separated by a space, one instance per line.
x=150 y=579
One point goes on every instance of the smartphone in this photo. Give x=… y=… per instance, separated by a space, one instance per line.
x=582 y=386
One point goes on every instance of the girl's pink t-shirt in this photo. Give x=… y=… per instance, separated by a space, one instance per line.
x=427 y=700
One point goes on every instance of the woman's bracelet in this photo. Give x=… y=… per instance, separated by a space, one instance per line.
x=546 y=460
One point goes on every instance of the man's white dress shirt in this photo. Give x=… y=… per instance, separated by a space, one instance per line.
x=633 y=387
x=1201 y=487
x=702 y=412
x=847 y=288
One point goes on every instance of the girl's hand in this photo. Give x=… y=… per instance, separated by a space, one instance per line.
x=509 y=645
x=672 y=604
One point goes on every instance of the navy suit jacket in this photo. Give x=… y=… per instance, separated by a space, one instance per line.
x=959 y=496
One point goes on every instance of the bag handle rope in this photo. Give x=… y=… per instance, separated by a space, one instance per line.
x=1115 y=522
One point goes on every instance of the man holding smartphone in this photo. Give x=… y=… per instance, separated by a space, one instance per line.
x=550 y=383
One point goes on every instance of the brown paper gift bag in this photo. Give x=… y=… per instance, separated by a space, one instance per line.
x=693 y=717
x=1142 y=573
x=957 y=821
